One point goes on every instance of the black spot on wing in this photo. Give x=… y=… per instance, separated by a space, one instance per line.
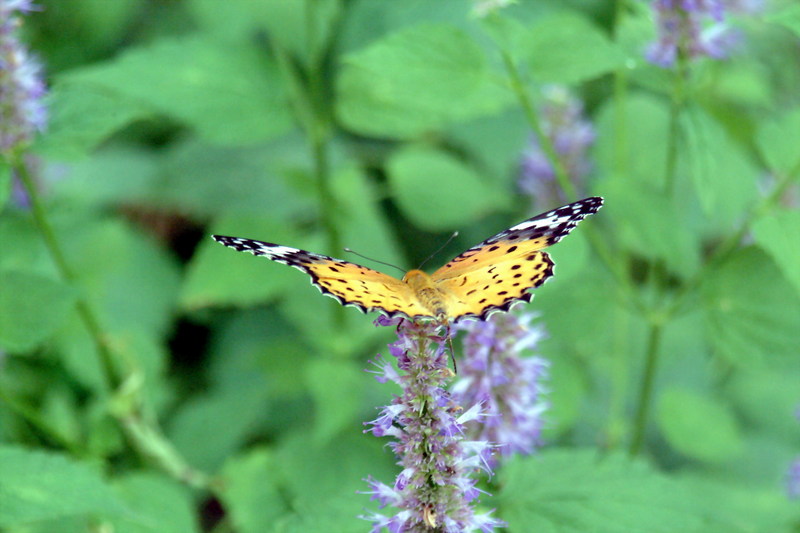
x=543 y=273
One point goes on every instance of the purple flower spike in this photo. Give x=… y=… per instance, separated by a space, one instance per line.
x=22 y=111
x=696 y=28
x=571 y=136
x=434 y=490
x=508 y=386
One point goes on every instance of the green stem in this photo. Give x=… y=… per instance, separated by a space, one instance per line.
x=518 y=86
x=85 y=312
x=145 y=437
x=646 y=389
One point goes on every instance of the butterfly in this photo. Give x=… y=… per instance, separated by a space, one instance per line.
x=489 y=277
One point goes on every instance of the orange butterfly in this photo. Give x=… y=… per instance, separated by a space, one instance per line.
x=489 y=277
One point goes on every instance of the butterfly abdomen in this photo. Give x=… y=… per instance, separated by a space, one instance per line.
x=427 y=293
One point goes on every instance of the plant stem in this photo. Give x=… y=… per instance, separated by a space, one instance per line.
x=85 y=312
x=646 y=389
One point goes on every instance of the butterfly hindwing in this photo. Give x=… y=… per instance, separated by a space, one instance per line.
x=497 y=273
x=348 y=283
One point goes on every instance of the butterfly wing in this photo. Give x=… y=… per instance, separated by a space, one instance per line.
x=497 y=273
x=348 y=283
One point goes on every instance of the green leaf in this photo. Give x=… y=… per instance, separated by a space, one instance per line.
x=228 y=94
x=698 y=426
x=217 y=275
x=437 y=192
x=5 y=184
x=416 y=79
x=128 y=280
x=362 y=224
x=159 y=505
x=116 y=174
x=321 y=480
x=653 y=225
x=752 y=311
x=723 y=176
x=205 y=180
x=251 y=493
x=32 y=307
x=37 y=486
x=84 y=115
x=645 y=155
x=778 y=234
x=577 y=491
x=788 y=16
x=776 y=139
x=210 y=428
x=337 y=388
x=567 y=48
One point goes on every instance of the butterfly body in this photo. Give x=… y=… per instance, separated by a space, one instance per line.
x=428 y=294
x=489 y=277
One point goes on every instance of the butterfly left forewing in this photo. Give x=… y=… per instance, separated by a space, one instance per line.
x=348 y=283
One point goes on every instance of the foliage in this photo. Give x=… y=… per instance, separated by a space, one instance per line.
x=153 y=380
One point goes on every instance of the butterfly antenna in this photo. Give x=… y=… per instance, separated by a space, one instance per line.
x=348 y=250
x=453 y=236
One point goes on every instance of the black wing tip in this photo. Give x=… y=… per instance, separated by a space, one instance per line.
x=591 y=204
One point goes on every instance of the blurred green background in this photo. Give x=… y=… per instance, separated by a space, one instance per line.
x=237 y=392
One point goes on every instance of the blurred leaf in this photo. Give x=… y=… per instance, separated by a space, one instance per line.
x=160 y=505
x=699 y=426
x=204 y=429
x=653 y=225
x=217 y=275
x=228 y=94
x=787 y=15
x=735 y=507
x=752 y=321
x=32 y=307
x=84 y=115
x=38 y=486
x=776 y=141
x=767 y=399
x=494 y=145
x=337 y=387
x=438 y=192
x=723 y=176
x=567 y=48
x=362 y=225
x=778 y=234
x=130 y=283
x=204 y=180
x=257 y=347
x=567 y=388
x=303 y=27
x=321 y=480
x=570 y=256
x=5 y=184
x=98 y=26
x=416 y=79
x=578 y=491
x=251 y=493
x=118 y=174
x=645 y=121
